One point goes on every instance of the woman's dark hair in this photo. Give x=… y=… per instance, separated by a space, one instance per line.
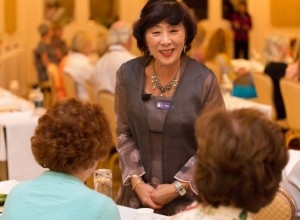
x=71 y=136
x=240 y=159
x=170 y=11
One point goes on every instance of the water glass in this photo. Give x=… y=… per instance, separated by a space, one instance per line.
x=103 y=181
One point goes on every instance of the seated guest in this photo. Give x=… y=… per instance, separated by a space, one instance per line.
x=276 y=55
x=293 y=71
x=70 y=139
x=78 y=63
x=119 y=41
x=240 y=158
x=217 y=51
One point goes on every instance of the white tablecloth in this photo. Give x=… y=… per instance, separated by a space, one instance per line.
x=16 y=129
x=129 y=214
x=232 y=103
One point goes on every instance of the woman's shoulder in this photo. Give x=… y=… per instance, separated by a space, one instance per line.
x=196 y=68
x=137 y=62
x=207 y=212
x=133 y=69
x=108 y=206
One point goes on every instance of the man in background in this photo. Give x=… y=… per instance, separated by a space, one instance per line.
x=119 y=43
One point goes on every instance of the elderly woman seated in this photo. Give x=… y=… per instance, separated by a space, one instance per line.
x=70 y=139
x=240 y=158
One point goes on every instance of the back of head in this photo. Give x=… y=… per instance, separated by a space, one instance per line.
x=169 y=11
x=276 y=48
x=71 y=136
x=240 y=158
x=43 y=29
x=119 y=33
x=80 y=41
x=217 y=44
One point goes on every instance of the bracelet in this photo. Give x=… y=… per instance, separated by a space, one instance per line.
x=140 y=180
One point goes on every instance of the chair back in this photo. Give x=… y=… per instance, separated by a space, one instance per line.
x=283 y=207
x=69 y=85
x=107 y=100
x=290 y=91
x=264 y=90
x=89 y=87
x=53 y=75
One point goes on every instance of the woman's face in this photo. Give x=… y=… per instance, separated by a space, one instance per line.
x=166 y=42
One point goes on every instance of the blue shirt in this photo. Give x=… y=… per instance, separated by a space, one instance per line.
x=57 y=196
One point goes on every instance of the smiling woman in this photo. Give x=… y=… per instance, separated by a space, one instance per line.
x=158 y=98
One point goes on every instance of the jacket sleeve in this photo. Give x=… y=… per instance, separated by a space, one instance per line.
x=129 y=155
x=212 y=99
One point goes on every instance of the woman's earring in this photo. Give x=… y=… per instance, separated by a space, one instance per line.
x=184 y=49
x=148 y=52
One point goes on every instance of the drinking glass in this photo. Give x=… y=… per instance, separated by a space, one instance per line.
x=103 y=181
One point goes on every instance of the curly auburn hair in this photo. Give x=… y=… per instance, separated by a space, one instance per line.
x=170 y=11
x=239 y=160
x=71 y=136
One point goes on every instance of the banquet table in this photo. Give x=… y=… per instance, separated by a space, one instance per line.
x=17 y=124
x=129 y=214
x=232 y=103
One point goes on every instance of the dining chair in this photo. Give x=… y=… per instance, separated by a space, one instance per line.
x=290 y=91
x=89 y=87
x=106 y=99
x=52 y=71
x=264 y=90
x=69 y=85
x=283 y=207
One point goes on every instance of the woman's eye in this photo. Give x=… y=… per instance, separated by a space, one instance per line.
x=155 y=32
x=174 y=31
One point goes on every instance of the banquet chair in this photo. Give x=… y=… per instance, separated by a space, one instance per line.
x=69 y=85
x=107 y=100
x=291 y=92
x=264 y=89
x=52 y=75
x=283 y=207
x=89 y=87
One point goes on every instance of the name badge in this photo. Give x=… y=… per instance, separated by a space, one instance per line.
x=163 y=105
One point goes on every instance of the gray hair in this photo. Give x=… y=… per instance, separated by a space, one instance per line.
x=80 y=41
x=119 y=36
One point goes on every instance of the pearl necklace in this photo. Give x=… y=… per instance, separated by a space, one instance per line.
x=170 y=87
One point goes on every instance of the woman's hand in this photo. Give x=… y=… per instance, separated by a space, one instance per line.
x=164 y=194
x=144 y=191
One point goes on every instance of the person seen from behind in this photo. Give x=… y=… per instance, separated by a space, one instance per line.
x=240 y=158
